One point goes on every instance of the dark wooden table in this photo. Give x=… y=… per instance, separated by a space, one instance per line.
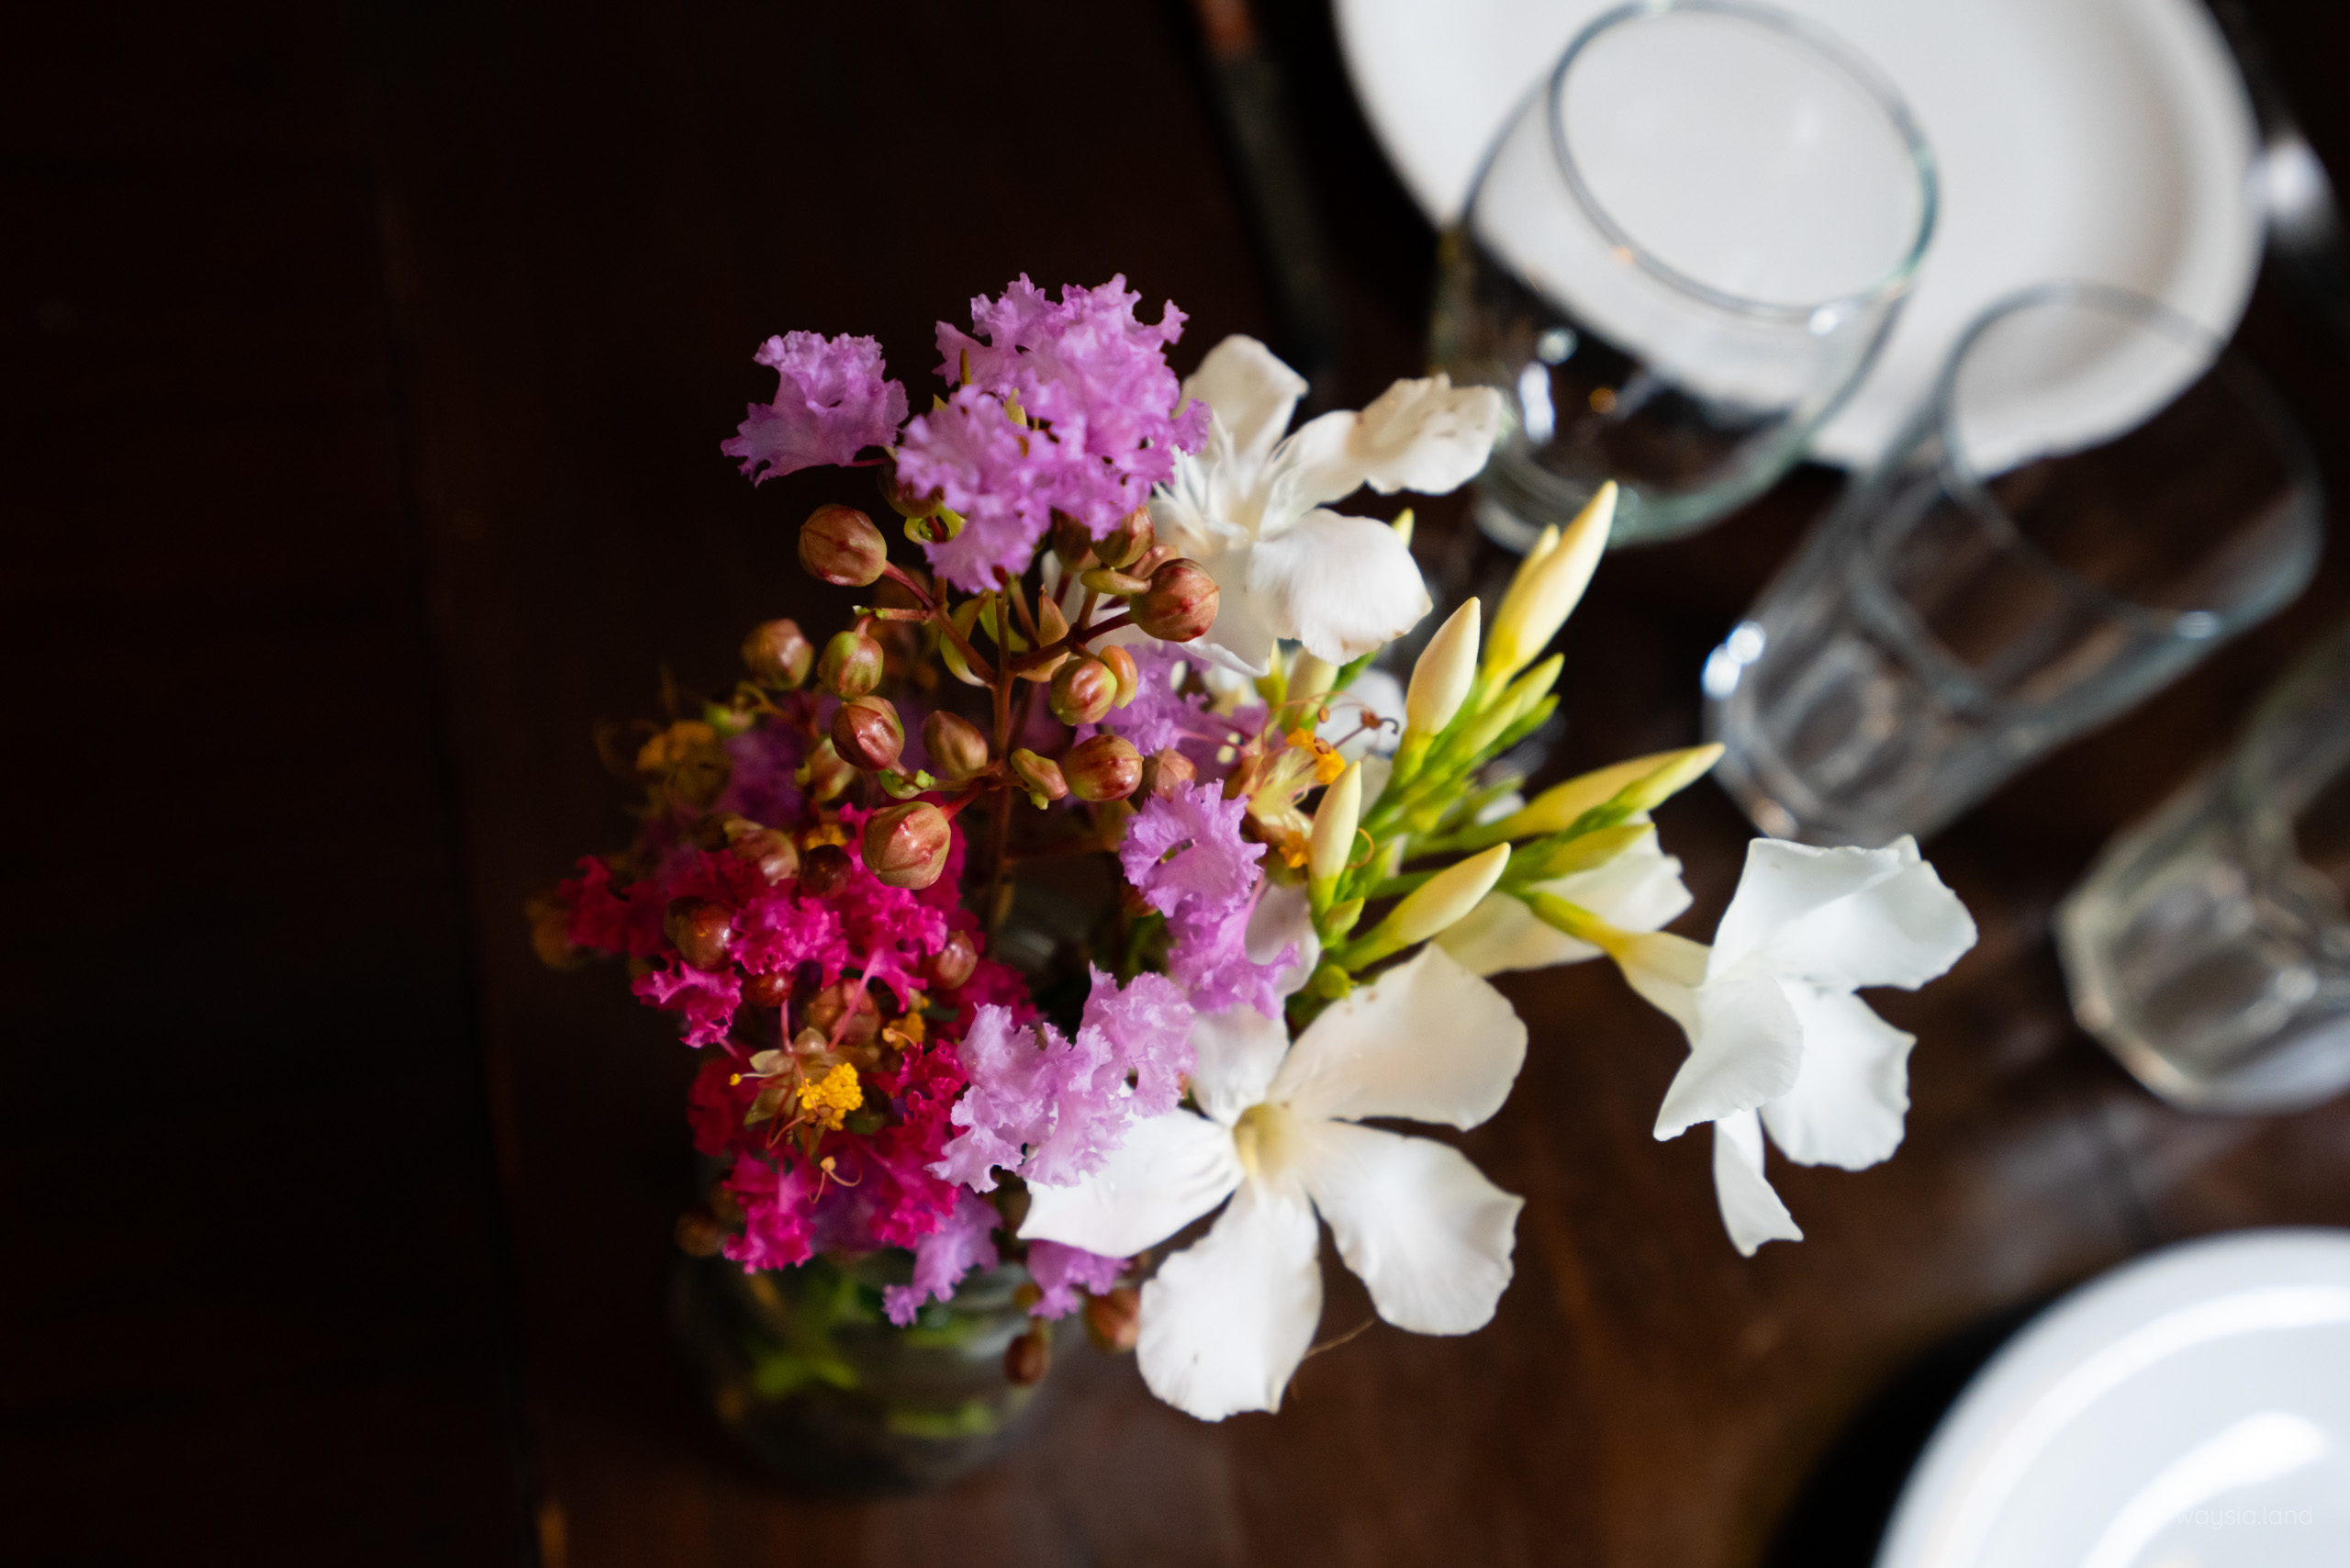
x=367 y=370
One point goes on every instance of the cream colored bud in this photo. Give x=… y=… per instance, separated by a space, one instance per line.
x=1443 y=898
x=1440 y=679
x=1549 y=587
x=1334 y=827
x=1658 y=775
x=1310 y=676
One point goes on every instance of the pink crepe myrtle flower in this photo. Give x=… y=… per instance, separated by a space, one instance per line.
x=1052 y=1108
x=965 y=1241
x=1101 y=419
x=1060 y=1272
x=830 y=403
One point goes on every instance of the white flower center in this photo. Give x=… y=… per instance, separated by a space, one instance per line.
x=1266 y=1139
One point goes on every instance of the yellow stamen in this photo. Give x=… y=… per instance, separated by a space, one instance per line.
x=830 y=1099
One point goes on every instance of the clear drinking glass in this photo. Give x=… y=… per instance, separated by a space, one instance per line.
x=1679 y=258
x=2095 y=497
x=2209 y=947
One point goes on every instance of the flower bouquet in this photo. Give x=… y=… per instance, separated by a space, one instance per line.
x=1122 y=674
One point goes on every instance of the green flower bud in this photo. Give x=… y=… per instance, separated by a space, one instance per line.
x=824 y=775
x=1167 y=771
x=1041 y=776
x=1127 y=542
x=851 y=665
x=1121 y=664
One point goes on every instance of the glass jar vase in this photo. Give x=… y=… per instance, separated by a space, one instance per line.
x=808 y=1371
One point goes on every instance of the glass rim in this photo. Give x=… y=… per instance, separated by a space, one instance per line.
x=2303 y=485
x=1837 y=54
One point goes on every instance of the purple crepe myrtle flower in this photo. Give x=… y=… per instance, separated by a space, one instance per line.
x=1051 y=1108
x=1103 y=422
x=1062 y=1271
x=964 y=1242
x=831 y=402
x=1184 y=854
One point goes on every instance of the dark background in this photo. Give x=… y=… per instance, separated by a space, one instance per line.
x=364 y=371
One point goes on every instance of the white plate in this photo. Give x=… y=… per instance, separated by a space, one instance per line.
x=2106 y=140
x=2190 y=1410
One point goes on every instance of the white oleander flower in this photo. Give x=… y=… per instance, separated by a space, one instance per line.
x=1226 y=1322
x=1776 y=1037
x=1252 y=507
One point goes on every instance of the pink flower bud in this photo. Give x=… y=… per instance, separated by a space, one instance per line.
x=851 y=665
x=845 y=999
x=956 y=748
x=953 y=965
x=867 y=734
x=905 y=846
x=1083 y=690
x=1040 y=774
x=771 y=990
x=901 y=499
x=1127 y=542
x=1166 y=772
x=1180 y=604
x=841 y=546
x=1070 y=541
x=1121 y=664
x=1113 y=1320
x=701 y=932
x=1104 y=769
x=1027 y=1358
x=777 y=653
x=774 y=856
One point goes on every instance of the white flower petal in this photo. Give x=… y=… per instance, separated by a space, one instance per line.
x=1283 y=917
x=1428 y=436
x=1843 y=918
x=1849 y=1097
x=1416 y=1221
x=1342 y=585
x=1745 y=1050
x=1242 y=637
x=1640 y=890
x=1238 y=1052
x=1226 y=1322
x=1427 y=1040
x=1252 y=392
x=1751 y=1212
x=1169 y=1171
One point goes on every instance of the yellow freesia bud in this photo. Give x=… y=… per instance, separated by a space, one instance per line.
x=1548 y=588
x=1440 y=679
x=1310 y=676
x=1333 y=839
x=1433 y=906
x=1637 y=785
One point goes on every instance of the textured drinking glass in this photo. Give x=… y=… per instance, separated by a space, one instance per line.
x=2094 y=497
x=2209 y=947
x=1678 y=259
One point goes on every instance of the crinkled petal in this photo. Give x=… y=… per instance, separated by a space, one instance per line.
x=1238 y=1052
x=1848 y=1102
x=1416 y=1221
x=1342 y=585
x=1169 y=1171
x=1226 y=1322
x=1843 y=918
x=1252 y=393
x=1751 y=1212
x=1428 y=1041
